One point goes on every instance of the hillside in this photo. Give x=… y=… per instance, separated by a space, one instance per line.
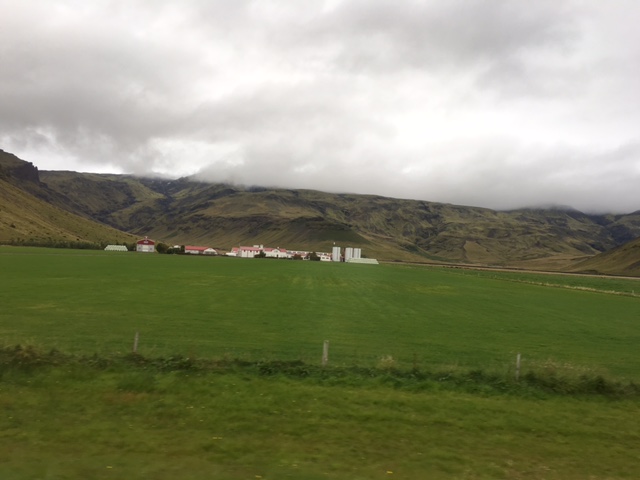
x=623 y=260
x=27 y=214
x=187 y=211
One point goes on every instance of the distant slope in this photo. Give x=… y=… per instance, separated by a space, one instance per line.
x=623 y=260
x=97 y=196
x=27 y=218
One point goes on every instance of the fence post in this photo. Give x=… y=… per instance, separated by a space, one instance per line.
x=325 y=353
x=518 y=367
x=135 y=342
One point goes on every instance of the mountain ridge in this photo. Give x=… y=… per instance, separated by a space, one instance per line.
x=186 y=210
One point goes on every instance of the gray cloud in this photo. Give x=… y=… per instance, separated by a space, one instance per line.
x=436 y=34
x=491 y=103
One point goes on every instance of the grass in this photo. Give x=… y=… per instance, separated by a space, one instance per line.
x=595 y=283
x=116 y=418
x=228 y=384
x=215 y=307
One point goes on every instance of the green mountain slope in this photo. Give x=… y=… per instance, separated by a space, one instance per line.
x=27 y=216
x=96 y=196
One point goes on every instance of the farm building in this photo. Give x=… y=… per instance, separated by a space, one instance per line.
x=352 y=253
x=244 y=252
x=248 y=252
x=269 y=252
x=116 y=248
x=146 y=245
x=276 y=252
x=193 y=250
x=368 y=261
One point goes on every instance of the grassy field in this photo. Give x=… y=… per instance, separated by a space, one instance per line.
x=214 y=307
x=595 y=283
x=76 y=423
x=372 y=414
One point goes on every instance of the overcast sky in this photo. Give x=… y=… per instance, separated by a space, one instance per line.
x=500 y=104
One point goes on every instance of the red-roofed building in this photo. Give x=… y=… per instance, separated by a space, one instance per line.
x=251 y=252
x=146 y=245
x=193 y=250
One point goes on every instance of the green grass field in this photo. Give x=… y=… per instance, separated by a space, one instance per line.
x=77 y=424
x=106 y=417
x=214 y=307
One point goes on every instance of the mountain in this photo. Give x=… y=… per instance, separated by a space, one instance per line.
x=29 y=215
x=187 y=211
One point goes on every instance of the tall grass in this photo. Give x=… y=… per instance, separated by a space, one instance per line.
x=76 y=417
x=534 y=381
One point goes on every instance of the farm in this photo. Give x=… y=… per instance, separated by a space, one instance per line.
x=420 y=381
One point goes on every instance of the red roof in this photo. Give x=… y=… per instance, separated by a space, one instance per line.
x=146 y=241
x=258 y=249
x=191 y=247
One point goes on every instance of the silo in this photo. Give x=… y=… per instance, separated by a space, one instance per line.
x=348 y=254
x=335 y=254
x=357 y=253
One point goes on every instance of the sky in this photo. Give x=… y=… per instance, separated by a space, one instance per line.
x=492 y=103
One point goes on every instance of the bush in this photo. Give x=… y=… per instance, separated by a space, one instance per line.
x=162 y=247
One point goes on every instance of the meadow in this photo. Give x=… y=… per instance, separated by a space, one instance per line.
x=85 y=303
x=227 y=382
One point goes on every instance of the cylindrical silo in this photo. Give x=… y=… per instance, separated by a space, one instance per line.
x=348 y=254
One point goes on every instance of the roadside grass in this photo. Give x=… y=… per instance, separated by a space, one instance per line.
x=102 y=418
x=535 y=382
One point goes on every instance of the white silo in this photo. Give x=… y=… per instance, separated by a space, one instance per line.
x=335 y=254
x=357 y=253
x=348 y=254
